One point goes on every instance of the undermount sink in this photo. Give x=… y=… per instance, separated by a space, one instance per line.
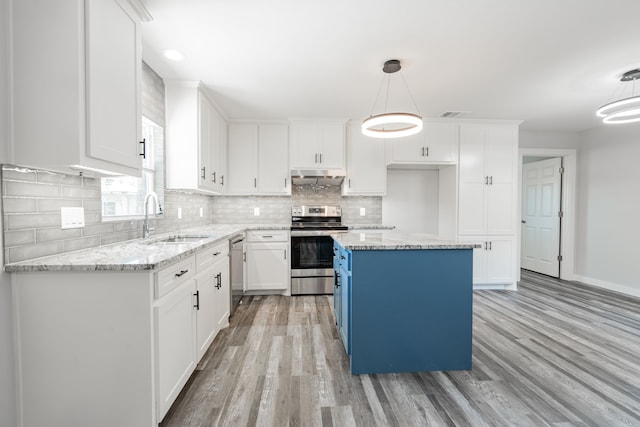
x=179 y=239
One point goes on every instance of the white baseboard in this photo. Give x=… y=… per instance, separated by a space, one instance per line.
x=607 y=285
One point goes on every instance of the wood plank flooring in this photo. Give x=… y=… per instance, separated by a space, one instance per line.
x=553 y=353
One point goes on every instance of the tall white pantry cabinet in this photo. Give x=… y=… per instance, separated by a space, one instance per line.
x=487 y=199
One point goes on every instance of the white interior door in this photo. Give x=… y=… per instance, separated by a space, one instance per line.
x=541 y=183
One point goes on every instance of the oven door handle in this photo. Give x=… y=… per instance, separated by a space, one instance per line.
x=312 y=233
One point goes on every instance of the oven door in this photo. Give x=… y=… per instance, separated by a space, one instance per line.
x=311 y=264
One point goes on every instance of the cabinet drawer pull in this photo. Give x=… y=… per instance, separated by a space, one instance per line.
x=267 y=237
x=182 y=272
x=144 y=148
x=216 y=253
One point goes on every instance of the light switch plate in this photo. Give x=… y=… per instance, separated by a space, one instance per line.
x=201 y=212
x=72 y=217
x=179 y=213
x=363 y=211
x=256 y=211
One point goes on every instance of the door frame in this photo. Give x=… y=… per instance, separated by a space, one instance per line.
x=568 y=205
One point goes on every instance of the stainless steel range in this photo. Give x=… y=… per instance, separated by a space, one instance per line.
x=312 y=248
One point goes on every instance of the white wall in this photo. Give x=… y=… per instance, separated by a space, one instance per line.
x=7 y=371
x=608 y=208
x=541 y=139
x=411 y=203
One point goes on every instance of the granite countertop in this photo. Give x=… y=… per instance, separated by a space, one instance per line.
x=394 y=240
x=138 y=254
x=370 y=227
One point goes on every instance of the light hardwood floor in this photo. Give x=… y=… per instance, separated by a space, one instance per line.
x=553 y=353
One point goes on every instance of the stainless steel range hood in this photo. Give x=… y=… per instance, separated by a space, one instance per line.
x=327 y=177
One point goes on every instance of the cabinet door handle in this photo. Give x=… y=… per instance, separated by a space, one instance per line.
x=197 y=295
x=244 y=256
x=285 y=183
x=336 y=281
x=422 y=152
x=144 y=148
x=320 y=157
x=255 y=182
x=182 y=273
x=427 y=150
x=285 y=254
x=218 y=280
x=203 y=170
x=213 y=177
x=486 y=180
x=491 y=180
x=221 y=179
x=485 y=246
x=490 y=245
x=342 y=257
x=316 y=158
x=349 y=182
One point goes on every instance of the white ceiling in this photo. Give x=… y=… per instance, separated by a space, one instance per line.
x=550 y=63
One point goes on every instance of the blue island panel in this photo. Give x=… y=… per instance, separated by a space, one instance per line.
x=410 y=310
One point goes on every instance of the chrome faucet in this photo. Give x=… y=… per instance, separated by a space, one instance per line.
x=146 y=230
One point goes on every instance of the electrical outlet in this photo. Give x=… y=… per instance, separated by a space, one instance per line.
x=256 y=211
x=363 y=211
x=72 y=218
x=179 y=213
x=201 y=212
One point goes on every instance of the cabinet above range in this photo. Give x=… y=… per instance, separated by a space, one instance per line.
x=317 y=144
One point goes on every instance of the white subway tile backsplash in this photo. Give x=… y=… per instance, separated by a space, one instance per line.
x=28 y=189
x=19 y=238
x=54 y=234
x=54 y=205
x=81 y=243
x=21 y=253
x=81 y=192
x=23 y=221
x=19 y=205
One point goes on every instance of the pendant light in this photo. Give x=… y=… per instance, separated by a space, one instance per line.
x=392 y=125
x=624 y=110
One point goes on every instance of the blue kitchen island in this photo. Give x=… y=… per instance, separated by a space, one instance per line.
x=403 y=302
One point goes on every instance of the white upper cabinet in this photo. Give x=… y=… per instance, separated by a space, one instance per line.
x=316 y=144
x=193 y=138
x=436 y=144
x=487 y=179
x=366 y=164
x=76 y=79
x=258 y=159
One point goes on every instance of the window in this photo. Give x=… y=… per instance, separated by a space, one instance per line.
x=123 y=196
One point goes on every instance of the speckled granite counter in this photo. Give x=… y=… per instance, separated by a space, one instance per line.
x=394 y=240
x=370 y=227
x=138 y=254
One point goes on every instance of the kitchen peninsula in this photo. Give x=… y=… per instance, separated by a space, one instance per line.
x=403 y=302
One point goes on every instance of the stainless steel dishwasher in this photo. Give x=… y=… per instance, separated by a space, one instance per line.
x=237 y=270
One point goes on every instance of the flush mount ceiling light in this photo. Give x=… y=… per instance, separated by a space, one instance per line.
x=624 y=110
x=392 y=125
x=173 y=54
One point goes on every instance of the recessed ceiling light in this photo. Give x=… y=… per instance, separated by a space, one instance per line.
x=173 y=54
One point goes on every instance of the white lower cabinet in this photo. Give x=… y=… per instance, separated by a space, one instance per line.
x=122 y=344
x=267 y=261
x=175 y=323
x=494 y=262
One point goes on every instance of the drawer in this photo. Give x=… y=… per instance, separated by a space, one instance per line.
x=209 y=256
x=342 y=257
x=174 y=275
x=268 y=236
